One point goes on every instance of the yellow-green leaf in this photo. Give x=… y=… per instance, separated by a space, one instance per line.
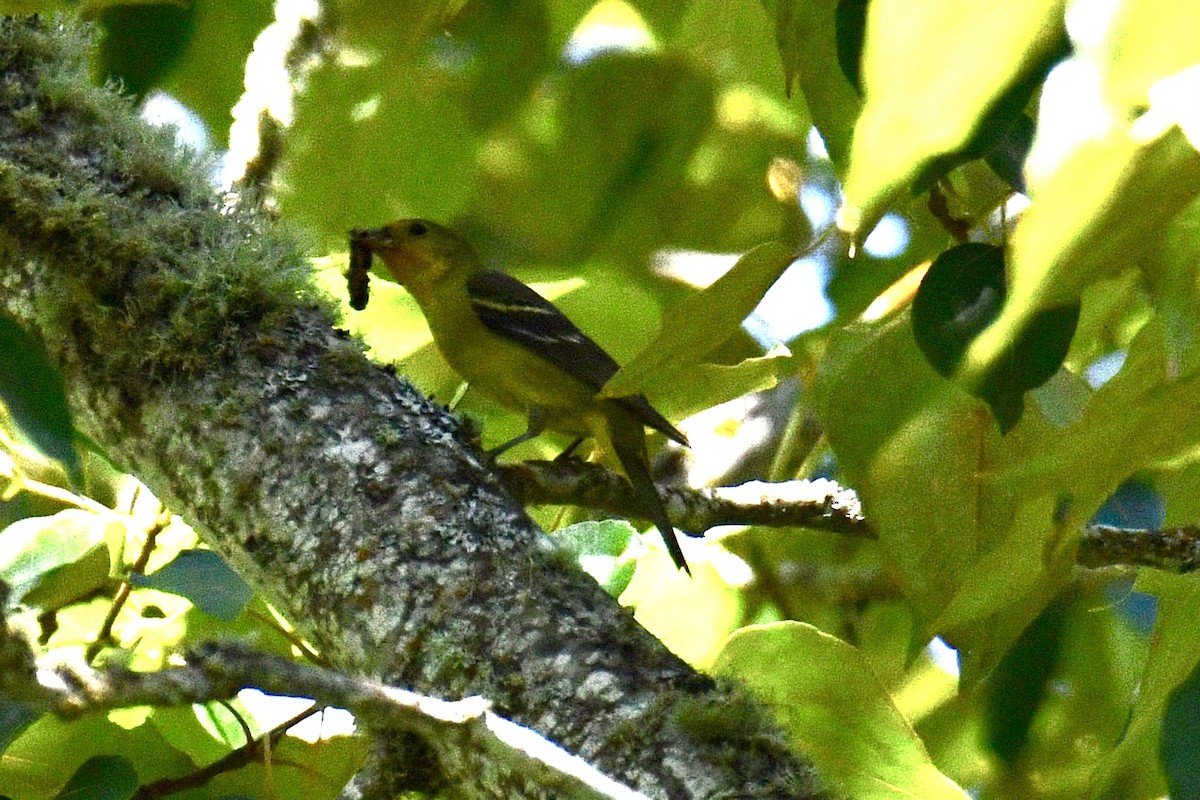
x=829 y=700
x=696 y=326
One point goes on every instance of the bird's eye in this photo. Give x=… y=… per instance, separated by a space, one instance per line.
x=418 y=228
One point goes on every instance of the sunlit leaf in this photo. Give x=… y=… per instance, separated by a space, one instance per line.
x=694 y=327
x=930 y=72
x=1090 y=219
x=40 y=761
x=834 y=708
x=1147 y=41
x=51 y=561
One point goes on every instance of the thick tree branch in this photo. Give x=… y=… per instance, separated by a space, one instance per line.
x=196 y=354
x=460 y=732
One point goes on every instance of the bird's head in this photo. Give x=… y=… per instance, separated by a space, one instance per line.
x=417 y=252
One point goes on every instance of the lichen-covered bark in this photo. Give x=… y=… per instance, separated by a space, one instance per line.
x=195 y=353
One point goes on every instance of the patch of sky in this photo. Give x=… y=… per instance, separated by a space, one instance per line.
x=610 y=26
x=1104 y=368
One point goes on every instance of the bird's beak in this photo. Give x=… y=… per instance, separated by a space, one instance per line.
x=371 y=238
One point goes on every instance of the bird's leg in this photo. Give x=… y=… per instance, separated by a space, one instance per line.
x=567 y=453
x=537 y=424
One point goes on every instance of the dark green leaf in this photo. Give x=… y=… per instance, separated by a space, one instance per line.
x=1181 y=739
x=1007 y=158
x=36 y=398
x=203 y=577
x=850 y=24
x=101 y=778
x=960 y=295
x=14 y=718
x=1030 y=362
x=1015 y=689
x=143 y=42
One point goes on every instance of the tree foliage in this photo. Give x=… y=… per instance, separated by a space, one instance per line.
x=1021 y=369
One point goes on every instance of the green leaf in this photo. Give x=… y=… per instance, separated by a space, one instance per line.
x=690 y=616
x=960 y=295
x=813 y=42
x=14 y=718
x=101 y=778
x=51 y=561
x=850 y=24
x=591 y=538
x=693 y=328
x=315 y=770
x=38 y=762
x=978 y=557
x=505 y=47
x=35 y=396
x=930 y=72
x=831 y=703
x=1016 y=688
x=1028 y=363
x=1107 y=203
x=142 y=43
x=606 y=170
x=1170 y=270
x=1146 y=41
x=1174 y=655
x=1181 y=738
x=599 y=546
x=703 y=386
x=390 y=120
x=1003 y=136
x=1007 y=157
x=203 y=577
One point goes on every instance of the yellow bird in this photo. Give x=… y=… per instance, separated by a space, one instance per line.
x=517 y=348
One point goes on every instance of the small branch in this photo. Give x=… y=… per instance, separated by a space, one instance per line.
x=939 y=207
x=1170 y=550
x=254 y=750
x=820 y=505
x=104 y=637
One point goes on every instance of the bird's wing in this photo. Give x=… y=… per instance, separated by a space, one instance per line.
x=510 y=308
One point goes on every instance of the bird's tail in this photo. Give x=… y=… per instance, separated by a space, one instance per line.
x=628 y=439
